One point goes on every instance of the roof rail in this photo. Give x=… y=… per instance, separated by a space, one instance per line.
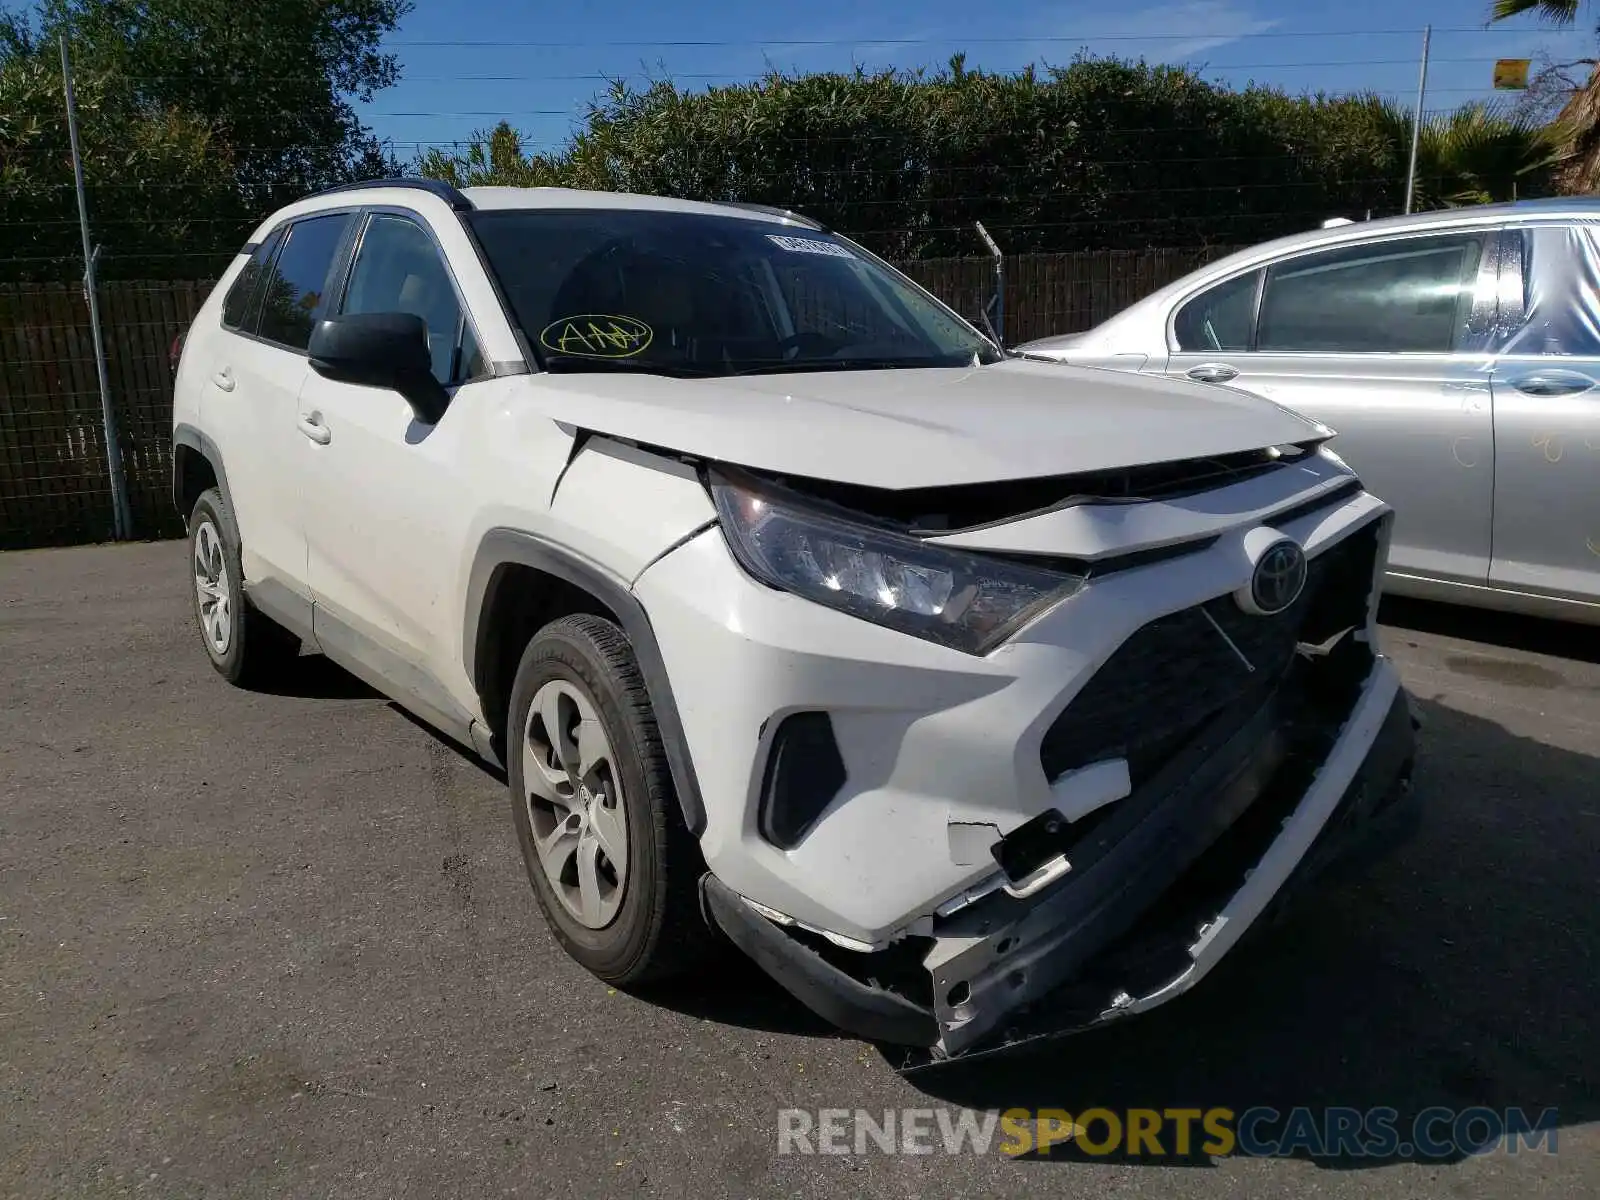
x=437 y=187
x=773 y=210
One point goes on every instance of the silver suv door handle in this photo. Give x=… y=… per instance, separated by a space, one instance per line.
x=1213 y=372
x=311 y=425
x=223 y=379
x=1553 y=382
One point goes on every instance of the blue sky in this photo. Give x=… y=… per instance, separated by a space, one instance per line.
x=466 y=63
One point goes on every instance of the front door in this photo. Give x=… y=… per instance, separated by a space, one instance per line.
x=381 y=555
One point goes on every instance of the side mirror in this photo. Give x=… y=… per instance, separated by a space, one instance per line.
x=385 y=350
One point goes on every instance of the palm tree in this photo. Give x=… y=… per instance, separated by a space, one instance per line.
x=1561 y=12
x=1576 y=130
x=1478 y=154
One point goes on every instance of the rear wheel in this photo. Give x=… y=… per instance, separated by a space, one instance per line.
x=611 y=862
x=245 y=646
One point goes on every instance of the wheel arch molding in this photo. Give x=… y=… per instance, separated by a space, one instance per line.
x=188 y=441
x=503 y=555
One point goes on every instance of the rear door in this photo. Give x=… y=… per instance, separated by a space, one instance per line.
x=251 y=393
x=1383 y=341
x=1547 y=416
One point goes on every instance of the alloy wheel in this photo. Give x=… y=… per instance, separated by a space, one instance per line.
x=211 y=588
x=575 y=803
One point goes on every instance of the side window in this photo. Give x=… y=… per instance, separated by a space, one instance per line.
x=1219 y=319
x=243 y=291
x=295 y=283
x=1560 y=293
x=1410 y=295
x=398 y=269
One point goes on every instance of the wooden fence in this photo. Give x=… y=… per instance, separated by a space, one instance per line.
x=55 y=487
x=54 y=483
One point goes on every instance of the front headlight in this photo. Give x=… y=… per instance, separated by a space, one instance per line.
x=965 y=601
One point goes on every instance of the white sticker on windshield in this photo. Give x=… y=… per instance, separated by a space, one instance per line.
x=800 y=245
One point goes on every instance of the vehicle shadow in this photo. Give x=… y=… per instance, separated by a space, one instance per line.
x=312 y=676
x=732 y=990
x=729 y=990
x=1458 y=973
x=1534 y=635
x=466 y=753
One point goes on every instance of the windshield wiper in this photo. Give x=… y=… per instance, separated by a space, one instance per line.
x=572 y=364
x=784 y=366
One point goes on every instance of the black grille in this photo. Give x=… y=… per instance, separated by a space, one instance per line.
x=1173 y=674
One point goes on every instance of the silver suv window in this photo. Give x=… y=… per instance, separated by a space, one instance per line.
x=1411 y=295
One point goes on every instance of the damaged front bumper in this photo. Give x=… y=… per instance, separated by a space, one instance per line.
x=1277 y=786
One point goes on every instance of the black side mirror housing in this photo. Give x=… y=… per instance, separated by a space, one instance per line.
x=385 y=350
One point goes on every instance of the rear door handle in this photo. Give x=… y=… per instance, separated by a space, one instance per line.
x=1213 y=373
x=311 y=425
x=1554 y=382
x=223 y=379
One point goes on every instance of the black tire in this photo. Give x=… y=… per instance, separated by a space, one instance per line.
x=658 y=931
x=257 y=650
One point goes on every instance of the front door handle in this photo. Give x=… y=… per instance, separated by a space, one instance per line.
x=223 y=379
x=1554 y=382
x=1213 y=373
x=311 y=425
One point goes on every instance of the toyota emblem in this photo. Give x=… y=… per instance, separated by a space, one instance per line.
x=1279 y=577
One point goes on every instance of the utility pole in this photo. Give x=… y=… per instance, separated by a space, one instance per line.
x=121 y=514
x=1416 y=123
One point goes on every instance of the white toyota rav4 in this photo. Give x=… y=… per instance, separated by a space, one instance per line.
x=954 y=689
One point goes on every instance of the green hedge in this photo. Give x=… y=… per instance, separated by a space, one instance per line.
x=1101 y=154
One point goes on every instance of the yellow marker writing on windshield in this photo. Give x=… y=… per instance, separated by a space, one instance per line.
x=596 y=335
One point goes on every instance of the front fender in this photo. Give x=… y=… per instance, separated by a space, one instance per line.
x=501 y=547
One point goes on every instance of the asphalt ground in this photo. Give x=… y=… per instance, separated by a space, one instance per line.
x=282 y=944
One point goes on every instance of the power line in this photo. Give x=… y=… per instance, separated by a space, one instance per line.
x=953 y=39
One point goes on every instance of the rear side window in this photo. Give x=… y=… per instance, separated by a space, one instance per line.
x=237 y=302
x=1412 y=295
x=1219 y=319
x=294 y=286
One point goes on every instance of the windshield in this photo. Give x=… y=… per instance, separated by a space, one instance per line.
x=697 y=294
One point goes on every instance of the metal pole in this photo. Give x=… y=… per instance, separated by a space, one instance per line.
x=1416 y=123
x=121 y=513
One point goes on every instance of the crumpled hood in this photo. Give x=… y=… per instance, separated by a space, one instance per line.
x=925 y=428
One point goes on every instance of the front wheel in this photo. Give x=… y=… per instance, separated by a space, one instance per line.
x=614 y=868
